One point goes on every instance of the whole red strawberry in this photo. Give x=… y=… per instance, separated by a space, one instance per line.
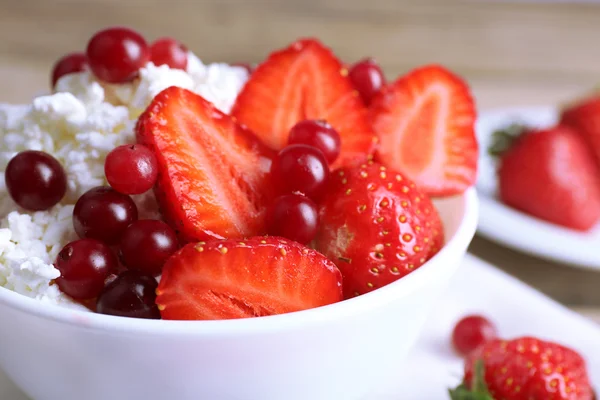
x=525 y=368
x=377 y=226
x=550 y=174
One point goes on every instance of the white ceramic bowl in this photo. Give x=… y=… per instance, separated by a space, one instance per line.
x=344 y=351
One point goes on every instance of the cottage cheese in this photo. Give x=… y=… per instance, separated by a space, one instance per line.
x=28 y=245
x=79 y=125
x=218 y=83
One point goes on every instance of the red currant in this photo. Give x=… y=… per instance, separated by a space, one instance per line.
x=132 y=294
x=103 y=214
x=131 y=169
x=147 y=244
x=167 y=51
x=293 y=216
x=300 y=168
x=84 y=265
x=367 y=78
x=115 y=55
x=471 y=332
x=35 y=180
x=318 y=134
x=74 y=62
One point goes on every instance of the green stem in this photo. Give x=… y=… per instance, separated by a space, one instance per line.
x=503 y=139
x=478 y=389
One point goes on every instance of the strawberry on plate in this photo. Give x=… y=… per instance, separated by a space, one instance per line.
x=584 y=116
x=213 y=179
x=425 y=124
x=305 y=81
x=260 y=276
x=377 y=226
x=525 y=368
x=550 y=174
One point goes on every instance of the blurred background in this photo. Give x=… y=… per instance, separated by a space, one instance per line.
x=511 y=52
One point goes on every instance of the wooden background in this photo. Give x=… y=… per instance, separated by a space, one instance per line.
x=512 y=53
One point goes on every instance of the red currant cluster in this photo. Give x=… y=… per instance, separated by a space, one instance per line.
x=106 y=216
x=300 y=172
x=106 y=220
x=115 y=55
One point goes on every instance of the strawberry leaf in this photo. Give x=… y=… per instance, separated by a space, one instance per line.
x=503 y=139
x=478 y=390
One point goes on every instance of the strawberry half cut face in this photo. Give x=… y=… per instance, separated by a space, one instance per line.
x=213 y=179
x=425 y=124
x=305 y=81
x=255 y=277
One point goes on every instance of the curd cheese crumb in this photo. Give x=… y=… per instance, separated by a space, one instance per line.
x=218 y=83
x=79 y=135
x=28 y=245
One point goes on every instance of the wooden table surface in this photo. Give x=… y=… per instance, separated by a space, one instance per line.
x=512 y=53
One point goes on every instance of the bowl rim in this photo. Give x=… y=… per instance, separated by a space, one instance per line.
x=81 y=319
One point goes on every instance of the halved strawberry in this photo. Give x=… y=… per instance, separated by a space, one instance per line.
x=305 y=81
x=213 y=174
x=425 y=123
x=260 y=276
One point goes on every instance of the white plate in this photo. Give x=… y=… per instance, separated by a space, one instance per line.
x=516 y=309
x=478 y=287
x=515 y=229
